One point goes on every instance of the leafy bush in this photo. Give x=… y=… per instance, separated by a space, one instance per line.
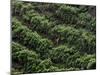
x=86 y=21
x=67 y=14
x=30 y=39
x=40 y=23
x=44 y=65
x=84 y=41
x=19 y=8
x=61 y=54
x=84 y=61
x=92 y=64
x=28 y=59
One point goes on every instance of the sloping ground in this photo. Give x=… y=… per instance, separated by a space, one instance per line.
x=50 y=37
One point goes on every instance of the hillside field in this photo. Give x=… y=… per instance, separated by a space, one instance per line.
x=51 y=37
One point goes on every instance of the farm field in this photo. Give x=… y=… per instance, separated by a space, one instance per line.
x=50 y=37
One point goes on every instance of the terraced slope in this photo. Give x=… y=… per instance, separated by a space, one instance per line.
x=48 y=37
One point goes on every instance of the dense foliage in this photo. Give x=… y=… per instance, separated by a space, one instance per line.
x=48 y=37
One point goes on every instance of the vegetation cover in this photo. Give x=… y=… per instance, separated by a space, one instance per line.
x=50 y=37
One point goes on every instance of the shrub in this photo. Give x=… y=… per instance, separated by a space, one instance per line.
x=83 y=41
x=84 y=61
x=67 y=14
x=31 y=39
x=92 y=64
x=61 y=53
x=40 y=23
x=86 y=21
x=44 y=66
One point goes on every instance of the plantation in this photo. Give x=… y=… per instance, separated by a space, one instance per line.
x=50 y=37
